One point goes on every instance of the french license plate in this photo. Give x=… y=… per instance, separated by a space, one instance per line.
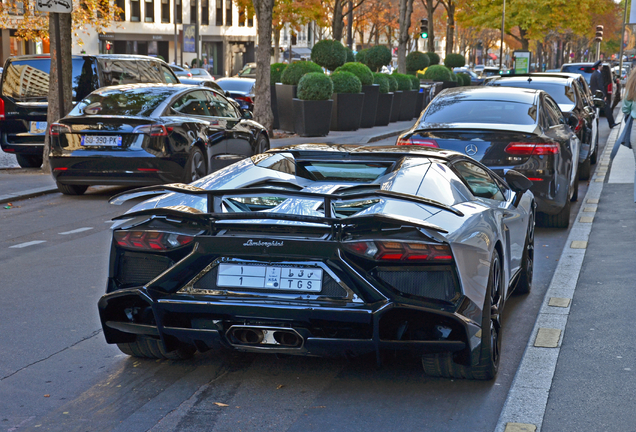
x=278 y=278
x=38 y=127
x=97 y=140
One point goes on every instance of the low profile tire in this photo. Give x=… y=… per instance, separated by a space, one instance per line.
x=29 y=161
x=442 y=365
x=195 y=167
x=524 y=284
x=153 y=349
x=585 y=169
x=71 y=189
x=262 y=144
x=559 y=220
x=594 y=156
x=575 y=193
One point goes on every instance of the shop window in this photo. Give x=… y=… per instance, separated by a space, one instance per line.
x=165 y=11
x=241 y=20
x=228 y=13
x=219 y=12
x=205 y=12
x=121 y=4
x=150 y=11
x=179 y=17
x=194 y=5
x=135 y=10
x=250 y=19
x=16 y=8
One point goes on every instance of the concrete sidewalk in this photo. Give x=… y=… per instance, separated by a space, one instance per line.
x=578 y=372
x=19 y=183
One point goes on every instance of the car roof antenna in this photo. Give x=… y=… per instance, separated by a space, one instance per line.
x=529 y=79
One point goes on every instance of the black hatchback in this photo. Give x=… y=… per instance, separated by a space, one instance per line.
x=25 y=90
x=145 y=134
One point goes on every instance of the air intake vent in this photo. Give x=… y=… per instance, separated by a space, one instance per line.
x=434 y=284
x=139 y=269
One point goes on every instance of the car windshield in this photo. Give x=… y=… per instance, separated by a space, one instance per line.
x=561 y=93
x=586 y=71
x=457 y=110
x=28 y=80
x=199 y=72
x=136 y=101
x=236 y=85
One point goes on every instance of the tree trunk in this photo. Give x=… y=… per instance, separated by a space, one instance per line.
x=450 y=26
x=337 y=25
x=276 y=44
x=263 y=98
x=406 y=9
x=539 y=59
x=430 y=12
x=56 y=110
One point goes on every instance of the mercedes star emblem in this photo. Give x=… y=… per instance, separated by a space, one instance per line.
x=471 y=149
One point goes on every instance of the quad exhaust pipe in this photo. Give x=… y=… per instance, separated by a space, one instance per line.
x=272 y=337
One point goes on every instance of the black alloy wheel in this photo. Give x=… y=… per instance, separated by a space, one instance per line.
x=262 y=144
x=594 y=155
x=585 y=169
x=443 y=365
x=195 y=166
x=524 y=283
x=575 y=192
x=29 y=161
x=559 y=220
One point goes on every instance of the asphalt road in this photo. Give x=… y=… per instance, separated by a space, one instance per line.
x=57 y=372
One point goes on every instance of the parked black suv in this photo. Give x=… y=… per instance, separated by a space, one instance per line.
x=25 y=89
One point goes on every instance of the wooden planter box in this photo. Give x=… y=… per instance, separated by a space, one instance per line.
x=371 y=93
x=383 y=112
x=312 y=118
x=347 y=111
x=449 y=84
x=395 y=108
x=407 y=107
x=419 y=103
x=284 y=95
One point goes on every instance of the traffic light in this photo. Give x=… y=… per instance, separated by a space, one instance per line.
x=424 y=28
x=599 y=33
x=108 y=46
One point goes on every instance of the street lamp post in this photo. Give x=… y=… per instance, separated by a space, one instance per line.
x=503 y=22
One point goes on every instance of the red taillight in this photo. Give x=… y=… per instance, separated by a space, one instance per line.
x=527 y=149
x=579 y=125
x=414 y=140
x=1 y=109
x=56 y=128
x=60 y=169
x=148 y=169
x=189 y=74
x=535 y=179
x=151 y=240
x=245 y=98
x=155 y=130
x=384 y=250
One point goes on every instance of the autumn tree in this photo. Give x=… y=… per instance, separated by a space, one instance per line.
x=404 y=20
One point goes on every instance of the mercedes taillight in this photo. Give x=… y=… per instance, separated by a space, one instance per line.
x=529 y=149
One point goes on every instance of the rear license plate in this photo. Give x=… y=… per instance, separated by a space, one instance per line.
x=277 y=278
x=38 y=127
x=96 y=140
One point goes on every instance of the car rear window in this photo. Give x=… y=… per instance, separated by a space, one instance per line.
x=241 y=86
x=28 y=80
x=561 y=93
x=586 y=71
x=456 y=110
x=137 y=101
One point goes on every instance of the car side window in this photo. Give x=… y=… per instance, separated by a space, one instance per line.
x=168 y=76
x=149 y=72
x=221 y=106
x=479 y=181
x=554 y=112
x=116 y=72
x=192 y=103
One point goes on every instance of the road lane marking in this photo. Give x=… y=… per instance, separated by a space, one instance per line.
x=75 y=231
x=520 y=427
x=27 y=244
x=579 y=244
x=592 y=201
x=547 y=338
x=586 y=219
x=559 y=302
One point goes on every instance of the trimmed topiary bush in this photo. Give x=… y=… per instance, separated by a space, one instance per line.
x=415 y=82
x=433 y=57
x=465 y=78
x=403 y=81
x=437 y=73
x=350 y=56
x=362 y=55
x=276 y=72
x=377 y=56
x=295 y=71
x=454 y=60
x=329 y=54
x=416 y=61
x=360 y=70
x=382 y=80
x=393 y=84
x=315 y=86
x=345 y=82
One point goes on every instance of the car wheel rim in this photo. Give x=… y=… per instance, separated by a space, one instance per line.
x=198 y=166
x=495 y=299
x=530 y=253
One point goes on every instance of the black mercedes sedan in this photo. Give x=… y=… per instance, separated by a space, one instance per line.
x=508 y=128
x=145 y=134
x=239 y=89
x=572 y=100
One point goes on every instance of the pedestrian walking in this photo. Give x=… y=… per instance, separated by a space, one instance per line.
x=597 y=83
x=628 y=134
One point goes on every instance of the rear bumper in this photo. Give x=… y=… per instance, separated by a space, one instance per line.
x=358 y=329
x=31 y=145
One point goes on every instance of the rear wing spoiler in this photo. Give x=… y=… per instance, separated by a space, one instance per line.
x=215 y=199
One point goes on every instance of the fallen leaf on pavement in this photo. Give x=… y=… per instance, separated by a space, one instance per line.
x=280 y=386
x=220 y=404
x=47 y=395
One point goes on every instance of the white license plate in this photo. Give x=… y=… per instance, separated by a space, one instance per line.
x=38 y=127
x=279 y=278
x=97 y=140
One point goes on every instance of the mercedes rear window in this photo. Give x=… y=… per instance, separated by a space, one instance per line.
x=586 y=71
x=561 y=93
x=457 y=110
x=241 y=86
x=28 y=80
x=135 y=101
